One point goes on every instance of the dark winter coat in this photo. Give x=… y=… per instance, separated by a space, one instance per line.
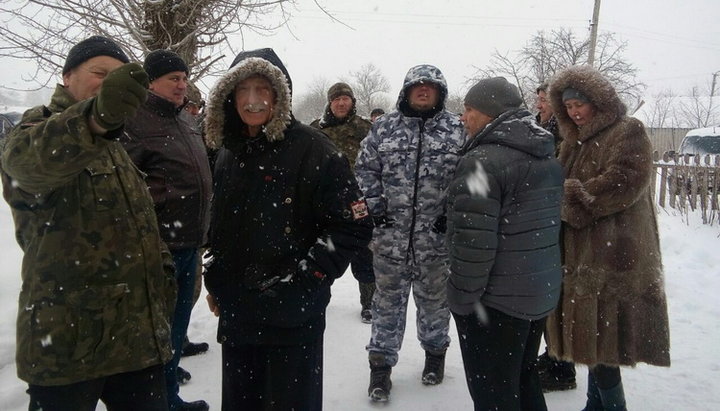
x=346 y=133
x=285 y=203
x=404 y=167
x=504 y=221
x=551 y=126
x=98 y=286
x=613 y=310
x=165 y=144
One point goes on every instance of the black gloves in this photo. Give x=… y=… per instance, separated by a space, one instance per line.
x=440 y=225
x=122 y=92
x=264 y=278
x=309 y=278
x=383 y=221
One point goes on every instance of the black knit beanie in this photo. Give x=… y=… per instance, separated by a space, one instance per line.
x=493 y=96
x=340 y=89
x=160 y=62
x=92 y=47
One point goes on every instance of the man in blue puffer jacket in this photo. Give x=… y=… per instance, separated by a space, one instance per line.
x=404 y=166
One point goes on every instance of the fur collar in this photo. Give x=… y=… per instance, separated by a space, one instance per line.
x=221 y=110
x=602 y=95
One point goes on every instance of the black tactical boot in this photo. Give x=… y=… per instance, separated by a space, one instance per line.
x=434 y=370
x=380 y=383
x=367 y=290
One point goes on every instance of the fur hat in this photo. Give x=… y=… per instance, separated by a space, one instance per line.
x=340 y=89
x=493 y=96
x=160 y=62
x=92 y=47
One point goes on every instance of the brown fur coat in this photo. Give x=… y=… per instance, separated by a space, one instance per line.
x=613 y=309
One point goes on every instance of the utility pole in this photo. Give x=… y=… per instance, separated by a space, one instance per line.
x=593 y=33
x=712 y=88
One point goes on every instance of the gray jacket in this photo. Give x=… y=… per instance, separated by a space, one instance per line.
x=504 y=221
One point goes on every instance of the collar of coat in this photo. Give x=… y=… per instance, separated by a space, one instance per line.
x=590 y=82
x=221 y=112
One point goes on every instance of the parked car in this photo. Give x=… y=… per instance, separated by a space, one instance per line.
x=697 y=142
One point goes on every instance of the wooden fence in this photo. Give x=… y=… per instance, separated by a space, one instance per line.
x=688 y=182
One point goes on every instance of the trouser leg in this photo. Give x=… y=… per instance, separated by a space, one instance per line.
x=142 y=390
x=531 y=395
x=389 y=308
x=185 y=271
x=493 y=356
x=257 y=377
x=433 y=315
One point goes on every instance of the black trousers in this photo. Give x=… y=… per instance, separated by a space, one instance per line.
x=282 y=378
x=500 y=361
x=142 y=390
x=361 y=266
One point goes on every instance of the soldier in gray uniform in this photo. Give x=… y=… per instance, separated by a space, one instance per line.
x=404 y=166
x=347 y=129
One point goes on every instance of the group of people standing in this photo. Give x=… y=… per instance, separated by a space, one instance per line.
x=114 y=193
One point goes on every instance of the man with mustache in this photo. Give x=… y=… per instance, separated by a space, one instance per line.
x=404 y=166
x=287 y=217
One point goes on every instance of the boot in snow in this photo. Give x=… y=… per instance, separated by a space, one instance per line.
x=380 y=383
x=367 y=290
x=434 y=370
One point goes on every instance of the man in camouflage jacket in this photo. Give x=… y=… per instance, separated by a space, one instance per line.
x=347 y=129
x=98 y=286
x=404 y=167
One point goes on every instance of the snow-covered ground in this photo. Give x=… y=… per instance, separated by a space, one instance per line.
x=691 y=254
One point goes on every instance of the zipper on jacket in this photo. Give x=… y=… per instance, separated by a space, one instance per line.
x=411 y=243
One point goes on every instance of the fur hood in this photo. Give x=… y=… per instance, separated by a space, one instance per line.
x=222 y=120
x=602 y=95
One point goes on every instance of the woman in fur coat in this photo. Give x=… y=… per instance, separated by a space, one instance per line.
x=613 y=310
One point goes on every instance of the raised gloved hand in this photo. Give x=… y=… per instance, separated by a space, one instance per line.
x=383 y=221
x=122 y=92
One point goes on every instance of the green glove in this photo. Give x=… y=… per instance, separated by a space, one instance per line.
x=122 y=92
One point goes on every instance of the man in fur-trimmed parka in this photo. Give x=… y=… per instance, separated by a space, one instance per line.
x=613 y=310
x=404 y=167
x=347 y=129
x=287 y=216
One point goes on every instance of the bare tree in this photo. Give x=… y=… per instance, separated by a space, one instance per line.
x=455 y=102
x=43 y=30
x=661 y=111
x=369 y=86
x=311 y=105
x=697 y=110
x=547 y=53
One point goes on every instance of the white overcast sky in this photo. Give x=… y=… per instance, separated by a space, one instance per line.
x=674 y=43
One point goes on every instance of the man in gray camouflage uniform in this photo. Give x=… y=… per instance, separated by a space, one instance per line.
x=347 y=129
x=404 y=166
x=98 y=282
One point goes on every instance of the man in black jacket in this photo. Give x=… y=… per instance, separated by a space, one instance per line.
x=164 y=143
x=503 y=229
x=287 y=217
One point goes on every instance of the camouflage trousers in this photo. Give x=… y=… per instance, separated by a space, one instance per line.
x=389 y=308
